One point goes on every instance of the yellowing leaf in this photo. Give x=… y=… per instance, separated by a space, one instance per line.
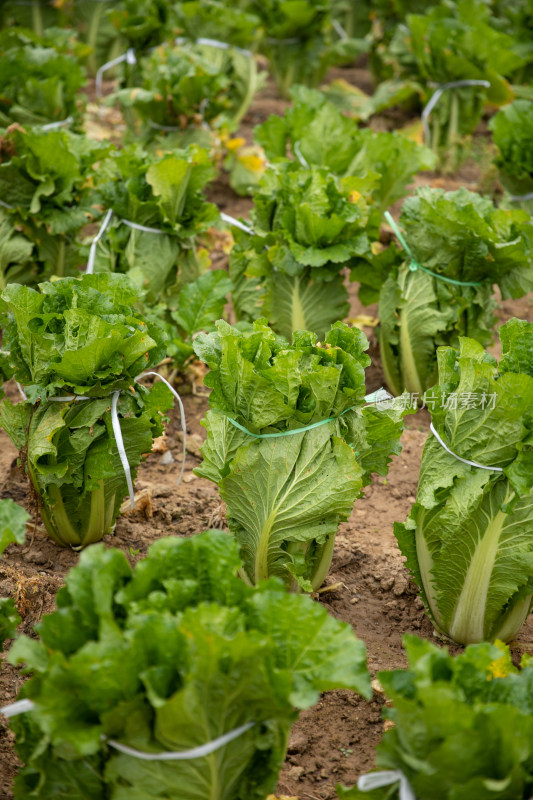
x=413 y=131
x=281 y=797
x=235 y=144
x=503 y=666
x=252 y=162
x=364 y=321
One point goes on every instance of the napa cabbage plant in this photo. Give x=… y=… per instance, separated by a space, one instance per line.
x=34 y=15
x=13 y=520
x=512 y=133
x=17 y=264
x=286 y=490
x=463 y=725
x=516 y=19
x=308 y=227
x=81 y=342
x=38 y=84
x=214 y=19
x=165 y=194
x=300 y=41
x=449 y=43
x=45 y=181
x=180 y=652
x=183 y=88
x=469 y=539
x=159 y=216
x=460 y=248
x=142 y=24
x=318 y=134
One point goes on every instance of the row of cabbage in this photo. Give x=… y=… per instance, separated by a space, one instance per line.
x=177 y=70
x=179 y=651
x=462 y=39
x=318 y=210
x=181 y=677
x=76 y=343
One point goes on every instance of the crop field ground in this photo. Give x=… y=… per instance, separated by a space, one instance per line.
x=368 y=585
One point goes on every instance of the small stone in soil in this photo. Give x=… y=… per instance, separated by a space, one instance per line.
x=297 y=743
x=36 y=557
x=295 y=773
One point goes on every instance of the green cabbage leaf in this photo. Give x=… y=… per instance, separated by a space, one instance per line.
x=469 y=538
x=287 y=493
x=463 y=725
x=179 y=652
x=81 y=337
x=457 y=236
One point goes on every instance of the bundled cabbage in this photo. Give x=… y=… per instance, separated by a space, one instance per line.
x=318 y=134
x=286 y=490
x=154 y=236
x=81 y=342
x=460 y=247
x=39 y=84
x=300 y=40
x=463 y=726
x=512 y=133
x=183 y=87
x=455 y=42
x=45 y=179
x=168 y=657
x=309 y=225
x=469 y=537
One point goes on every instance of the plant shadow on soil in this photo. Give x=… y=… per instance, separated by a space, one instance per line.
x=333 y=742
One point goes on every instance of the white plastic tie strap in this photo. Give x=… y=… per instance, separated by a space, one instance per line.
x=213 y=43
x=464 y=460
x=23 y=706
x=143 y=228
x=117 y=431
x=521 y=198
x=236 y=223
x=184 y=755
x=63 y=123
x=103 y=228
x=376 y=780
x=20 y=707
x=92 y=251
x=438 y=94
x=299 y=155
x=115 y=422
x=339 y=30
x=129 y=57
x=182 y=417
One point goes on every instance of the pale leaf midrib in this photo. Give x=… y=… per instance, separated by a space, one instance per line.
x=468 y=621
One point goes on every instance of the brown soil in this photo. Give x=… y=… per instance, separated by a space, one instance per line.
x=334 y=741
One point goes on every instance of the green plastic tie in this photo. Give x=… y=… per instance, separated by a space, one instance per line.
x=286 y=433
x=414 y=265
x=378 y=396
